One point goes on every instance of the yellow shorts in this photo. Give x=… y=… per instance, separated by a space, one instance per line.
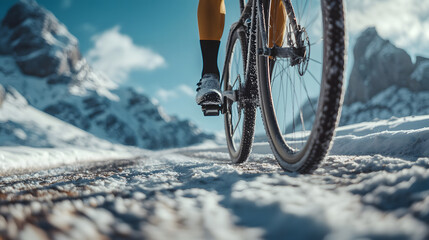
x=211 y=21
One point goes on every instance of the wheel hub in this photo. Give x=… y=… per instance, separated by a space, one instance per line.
x=301 y=51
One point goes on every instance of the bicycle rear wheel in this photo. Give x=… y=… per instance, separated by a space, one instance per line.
x=301 y=95
x=239 y=116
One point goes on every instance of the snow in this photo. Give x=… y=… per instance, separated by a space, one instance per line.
x=394 y=101
x=407 y=136
x=171 y=195
x=26 y=159
x=33 y=140
x=72 y=185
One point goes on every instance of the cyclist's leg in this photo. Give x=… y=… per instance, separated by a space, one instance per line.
x=277 y=24
x=211 y=21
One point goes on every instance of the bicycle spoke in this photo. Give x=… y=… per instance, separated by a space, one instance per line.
x=316 y=42
x=234 y=120
x=315 y=61
x=284 y=100
x=308 y=96
x=278 y=97
x=300 y=113
x=287 y=96
x=281 y=72
x=306 y=20
x=313 y=77
x=299 y=10
x=238 y=121
x=293 y=109
x=302 y=121
x=312 y=21
x=238 y=78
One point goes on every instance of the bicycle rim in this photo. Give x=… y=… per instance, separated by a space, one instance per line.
x=239 y=117
x=300 y=101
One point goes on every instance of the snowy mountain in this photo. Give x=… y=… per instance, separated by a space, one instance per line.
x=41 y=60
x=378 y=65
x=31 y=139
x=23 y=125
x=383 y=83
x=394 y=101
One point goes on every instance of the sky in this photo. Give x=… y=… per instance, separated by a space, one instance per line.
x=159 y=45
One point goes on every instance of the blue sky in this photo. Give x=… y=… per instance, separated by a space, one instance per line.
x=160 y=42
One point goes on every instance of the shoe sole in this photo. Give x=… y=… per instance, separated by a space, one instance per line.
x=210 y=99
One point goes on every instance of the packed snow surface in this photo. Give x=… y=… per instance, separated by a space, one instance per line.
x=373 y=185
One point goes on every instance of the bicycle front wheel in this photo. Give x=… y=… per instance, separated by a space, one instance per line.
x=239 y=116
x=301 y=92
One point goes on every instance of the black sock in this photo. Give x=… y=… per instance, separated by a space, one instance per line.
x=209 y=50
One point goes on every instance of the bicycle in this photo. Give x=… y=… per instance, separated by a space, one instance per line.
x=299 y=121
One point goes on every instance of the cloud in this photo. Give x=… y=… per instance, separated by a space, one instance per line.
x=66 y=3
x=178 y=92
x=186 y=90
x=116 y=55
x=406 y=23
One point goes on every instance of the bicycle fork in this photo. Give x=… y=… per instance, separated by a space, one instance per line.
x=296 y=51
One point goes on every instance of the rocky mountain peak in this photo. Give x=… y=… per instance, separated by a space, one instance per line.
x=41 y=45
x=420 y=75
x=384 y=83
x=22 y=11
x=41 y=60
x=378 y=65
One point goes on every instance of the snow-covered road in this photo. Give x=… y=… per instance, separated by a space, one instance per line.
x=196 y=193
x=202 y=195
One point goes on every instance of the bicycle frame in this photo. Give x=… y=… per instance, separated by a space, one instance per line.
x=267 y=68
x=252 y=10
x=278 y=51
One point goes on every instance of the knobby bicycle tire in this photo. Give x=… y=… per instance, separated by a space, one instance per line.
x=240 y=149
x=329 y=102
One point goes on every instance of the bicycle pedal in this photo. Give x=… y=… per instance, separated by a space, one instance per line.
x=211 y=110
